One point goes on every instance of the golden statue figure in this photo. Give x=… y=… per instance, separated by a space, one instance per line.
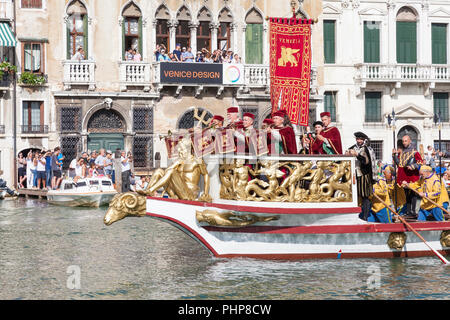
x=240 y=179
x=226 y=182
x=230 y=219
x=125 y=204
x=345 y=192
x=300 y=170
x=270 y=192
x=181 y=179
x=317 y=177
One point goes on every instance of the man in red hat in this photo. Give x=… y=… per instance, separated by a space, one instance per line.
x=217 y=122
x=232 y=117
x=282 y=137
x=245 y=133
x=330 y=135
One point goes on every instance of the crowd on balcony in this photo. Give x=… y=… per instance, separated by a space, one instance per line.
x=185 y=54
x=43 y=170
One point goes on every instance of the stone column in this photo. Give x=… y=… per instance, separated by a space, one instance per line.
x=172 y=24
x=193 y=28
x=214 y=26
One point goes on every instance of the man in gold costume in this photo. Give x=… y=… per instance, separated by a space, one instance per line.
x=181 y=179
x=429 y=188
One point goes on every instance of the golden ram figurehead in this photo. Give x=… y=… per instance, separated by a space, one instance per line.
x=123 y=205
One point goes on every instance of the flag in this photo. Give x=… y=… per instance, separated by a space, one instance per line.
x=290 y=67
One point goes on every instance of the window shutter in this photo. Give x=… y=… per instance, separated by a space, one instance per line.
x=329 y=41
x=440 y=105
x=330 y=104
x=439 y=43
x=406 y=42
x=86 y=34
x=373 y=107
x=69 y=54
x=371 y=42
x=124 y=48
x=140 y=36
x=254 y=43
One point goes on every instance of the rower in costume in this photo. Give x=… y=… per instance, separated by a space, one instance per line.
x=430 y=187
x=396 y=193
x=378 y=211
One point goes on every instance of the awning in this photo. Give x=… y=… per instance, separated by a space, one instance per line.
x=7 y=38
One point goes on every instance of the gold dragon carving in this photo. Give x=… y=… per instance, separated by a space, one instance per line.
x=290 y=181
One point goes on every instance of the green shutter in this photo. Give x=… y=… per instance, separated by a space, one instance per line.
x=330 y=104
x=254 y=43
x=371 y=42
x=85 y=32
x=329 y=41
x=140 y=37
x=124 y=49
x=440 y=105
x=373 y=107
x=439 y=43
x=69 y=54
x=406 y=42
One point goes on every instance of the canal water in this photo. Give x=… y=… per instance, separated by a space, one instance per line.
x=51 y=252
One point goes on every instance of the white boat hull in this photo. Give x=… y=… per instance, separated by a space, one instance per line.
x=81 y=200
x=297 y=234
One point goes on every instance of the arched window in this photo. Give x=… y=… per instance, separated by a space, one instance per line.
x=406 y=36
x=203 y=29
x=77 y=28
x=224 y=32
x=188 y=120
x=254 y=37
x=131 y=28
x=411 y=132
x=183 y=36
x=162 y=29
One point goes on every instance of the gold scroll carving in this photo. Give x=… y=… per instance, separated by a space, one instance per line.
x=290 y=181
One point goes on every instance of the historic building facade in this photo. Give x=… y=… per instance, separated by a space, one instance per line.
x=384 y=56
x=107 y=101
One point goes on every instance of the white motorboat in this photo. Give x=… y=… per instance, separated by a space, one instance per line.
x=88 y=192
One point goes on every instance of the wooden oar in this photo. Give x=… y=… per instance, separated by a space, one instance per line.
x=434 y=203
x=445 y=261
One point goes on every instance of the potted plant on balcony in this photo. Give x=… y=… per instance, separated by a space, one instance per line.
x=31 y=79
x=7 y=68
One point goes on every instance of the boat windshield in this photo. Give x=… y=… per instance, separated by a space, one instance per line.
x=106 y=183
x=93 y=182
x=68 y=186
x=81 y=184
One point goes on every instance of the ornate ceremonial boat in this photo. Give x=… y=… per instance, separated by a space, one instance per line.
x=283 y=207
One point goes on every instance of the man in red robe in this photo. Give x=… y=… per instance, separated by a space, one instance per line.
x=330 y=135
x=244 y=133
x=232 y=117
x=408 y=161
x=280 y=136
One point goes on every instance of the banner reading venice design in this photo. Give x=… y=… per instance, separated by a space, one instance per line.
x=290 y=67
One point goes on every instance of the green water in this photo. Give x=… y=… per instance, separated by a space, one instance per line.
x=142 y=258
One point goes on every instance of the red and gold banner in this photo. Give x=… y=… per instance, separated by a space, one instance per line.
x=171 y=145
x=290 y=67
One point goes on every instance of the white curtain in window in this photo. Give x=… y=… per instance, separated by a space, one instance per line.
x=32 y=57
x=36 y=57
x=35 y=113
x=28 y=57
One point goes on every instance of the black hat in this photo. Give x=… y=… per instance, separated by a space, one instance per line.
x=360 y=135
x=318 y=122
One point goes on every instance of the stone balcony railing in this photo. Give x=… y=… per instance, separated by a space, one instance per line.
x=134 y=74
x=79 y=73
x=6 y=10
x=146 y=74
x=376 y=72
